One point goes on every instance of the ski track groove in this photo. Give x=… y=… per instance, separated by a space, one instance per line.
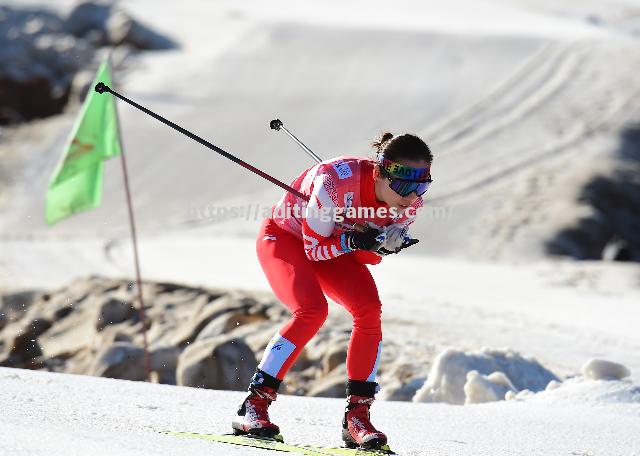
x=549 y=84
x=457 y=124
x=552 y=150
x=483 y=175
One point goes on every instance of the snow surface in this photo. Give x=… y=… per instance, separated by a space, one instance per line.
x=62 y=414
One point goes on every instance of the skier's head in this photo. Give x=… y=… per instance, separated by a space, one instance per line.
x=403 y=167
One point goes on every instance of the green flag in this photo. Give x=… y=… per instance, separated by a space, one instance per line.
x=76 y=183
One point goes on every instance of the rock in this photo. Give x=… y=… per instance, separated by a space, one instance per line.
x=41 y=52
x=15 y=305
x=261 y=334
x=36 y=327
x=335 y=355
x=302 y=362
x=332 y=334
x=176 y=289
x=122 y=29
x=610 y=228
x=121 y=360
x=109 y=336
x=164 y=358
x=81 y=84
x=198 y=337
x=112 y=25
x=88 y=16
x=63 y=312
x=76 y=330
x=23 y=350
x=29 y=99
x=333 y=385
x=227 y=323
x=114 y=311
x=164 y=361
x=223 y=362
x=23 y=344
x=397 y=390
x=207 y=312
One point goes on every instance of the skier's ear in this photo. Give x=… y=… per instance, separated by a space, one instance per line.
x=376 y=172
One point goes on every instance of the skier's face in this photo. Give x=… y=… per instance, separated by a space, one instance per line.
x=385 y=193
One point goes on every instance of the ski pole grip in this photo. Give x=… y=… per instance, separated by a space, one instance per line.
x=275 y=124
x=102 y=88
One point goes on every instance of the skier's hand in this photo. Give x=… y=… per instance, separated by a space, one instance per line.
x=397 y=239
x=369 y=239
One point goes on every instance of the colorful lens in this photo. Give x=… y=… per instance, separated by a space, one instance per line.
x=405 y=179
x=404 y=187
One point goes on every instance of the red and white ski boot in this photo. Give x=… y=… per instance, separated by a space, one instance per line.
x=357 y=430
x=252 y=418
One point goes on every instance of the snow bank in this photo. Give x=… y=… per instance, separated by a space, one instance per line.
x=457 y=377
x=600 y=369
x=584 y=390
x=486 y=388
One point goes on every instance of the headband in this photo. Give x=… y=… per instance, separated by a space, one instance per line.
x=399 y=171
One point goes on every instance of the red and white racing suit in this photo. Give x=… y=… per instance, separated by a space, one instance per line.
x=304 y=259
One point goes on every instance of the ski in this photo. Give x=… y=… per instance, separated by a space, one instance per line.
x=276 y=445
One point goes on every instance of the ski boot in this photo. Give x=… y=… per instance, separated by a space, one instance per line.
x=357 y=430
x=252 y=418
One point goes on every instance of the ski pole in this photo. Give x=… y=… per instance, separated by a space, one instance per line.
x=276 y=124
x=101 y=88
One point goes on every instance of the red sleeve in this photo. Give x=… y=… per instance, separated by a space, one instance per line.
x=366 y=257
x=318 y=223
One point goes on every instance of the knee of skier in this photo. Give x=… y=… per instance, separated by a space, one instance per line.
x=368 y=317
x=313 y=317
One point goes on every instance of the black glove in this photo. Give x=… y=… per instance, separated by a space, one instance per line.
x=370 y=239
x=407 y=243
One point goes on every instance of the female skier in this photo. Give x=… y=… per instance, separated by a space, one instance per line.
x=314 y=251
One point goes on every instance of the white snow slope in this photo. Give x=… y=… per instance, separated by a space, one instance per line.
x=65 y=415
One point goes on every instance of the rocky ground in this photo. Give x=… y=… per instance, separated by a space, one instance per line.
x=207 y=338
x=197 y=337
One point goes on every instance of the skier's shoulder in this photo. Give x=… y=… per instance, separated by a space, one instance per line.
x=343 y=167
x=354 y=160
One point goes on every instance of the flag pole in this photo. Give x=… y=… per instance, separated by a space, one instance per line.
x=132 y=226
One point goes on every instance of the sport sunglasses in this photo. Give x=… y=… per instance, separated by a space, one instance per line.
x=398 y=174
